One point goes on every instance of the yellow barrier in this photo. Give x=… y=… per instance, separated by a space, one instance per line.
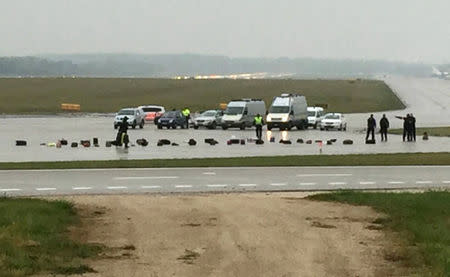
x=70 y=107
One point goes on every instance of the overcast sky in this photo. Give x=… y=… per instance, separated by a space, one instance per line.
x=407 y=30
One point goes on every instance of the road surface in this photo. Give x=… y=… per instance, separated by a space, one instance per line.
x=193 y=180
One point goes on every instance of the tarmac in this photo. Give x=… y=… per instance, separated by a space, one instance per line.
x=428 y=99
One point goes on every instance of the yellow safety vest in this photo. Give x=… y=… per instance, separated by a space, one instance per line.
x=258 y=120
x=186 y=112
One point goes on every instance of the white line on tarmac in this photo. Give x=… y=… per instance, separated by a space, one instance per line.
x=325 y=175
x=307 y=184
x=337 y=183
x=145 y=178
x=6 y=190
x=367 y=183
x=45 y=189
x=446 y=182
x=183 y=186
x=395 y=182
x=82 y=188
x=247 y=185
x=278 y=184
x=423 y=182
x=150 y=187
x=117 y=187
x=209 y=173
x=216 y=186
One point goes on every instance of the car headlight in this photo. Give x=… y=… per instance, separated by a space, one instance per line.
x=285 y=118
x=171 y=120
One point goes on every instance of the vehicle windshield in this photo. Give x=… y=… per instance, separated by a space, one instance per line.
x=234 y=110
x=311 y=113
x=126 y=112
x=170 y=114
x=149 y=110
x=279 y=109
x=332 y=116
x=208 y=113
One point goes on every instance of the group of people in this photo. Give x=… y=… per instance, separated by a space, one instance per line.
x=409 y=127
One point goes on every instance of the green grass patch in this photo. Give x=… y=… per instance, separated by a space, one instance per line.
x=34 y=238
x=432 y=131
x=44 y=95
x=421 y=219
x=308 y=160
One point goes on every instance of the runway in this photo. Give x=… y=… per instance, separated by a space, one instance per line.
x=199 y=180
x=428 y=99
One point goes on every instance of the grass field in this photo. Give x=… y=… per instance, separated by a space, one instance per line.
x=432 y=131
x=442 y=158
x=44 y=95
x=422 y=220
x=34 y=238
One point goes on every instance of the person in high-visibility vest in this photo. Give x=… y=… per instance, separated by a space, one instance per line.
x=259 y=122
x=187 y=115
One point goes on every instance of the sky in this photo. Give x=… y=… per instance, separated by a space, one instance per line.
x=400 y=30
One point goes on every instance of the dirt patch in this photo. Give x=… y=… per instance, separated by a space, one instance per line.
x=258 y=234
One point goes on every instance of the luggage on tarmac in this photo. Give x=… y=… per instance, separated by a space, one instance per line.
x=21 y=143
x=370 y=141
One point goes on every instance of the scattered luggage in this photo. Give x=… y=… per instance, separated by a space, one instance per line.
x=309 y=141
x=370 y=141
x=21 y=143
x=259 y=141
x=300 y=140
x=192 y=142
x=74 y=145
x=348 y=142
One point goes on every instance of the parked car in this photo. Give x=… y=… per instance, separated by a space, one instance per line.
x=315 y=115
x=333 y=121
x=209 y=119
x=153 y=113
x=135 y=117
x=172 y=119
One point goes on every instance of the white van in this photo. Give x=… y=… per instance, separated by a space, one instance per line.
x=315 y=115
x=287 y=111
x=241 y=113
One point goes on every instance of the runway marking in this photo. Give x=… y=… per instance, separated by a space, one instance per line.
x=7 y=190
x=45 y=189
x=424 y=182
x=216 y=186
x=183 y=186
x=446 y=182
x=337 y=183
x=278 y=184
x=209 y=173
x=367 y=183
x=395 y=182
x=150 y=187
x=307 y=184
x=247 y=185
x=325 y=175
x=82 y=188
x=117 y=187
x=146 y=178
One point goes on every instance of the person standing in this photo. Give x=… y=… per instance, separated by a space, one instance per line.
x=384 y=125
x=187 y=115
x=405 y=125
x=371 y=124
x=413 y=127
x=123 y=128
x=258 y=121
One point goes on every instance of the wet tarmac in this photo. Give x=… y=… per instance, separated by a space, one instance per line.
x=428 y=99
